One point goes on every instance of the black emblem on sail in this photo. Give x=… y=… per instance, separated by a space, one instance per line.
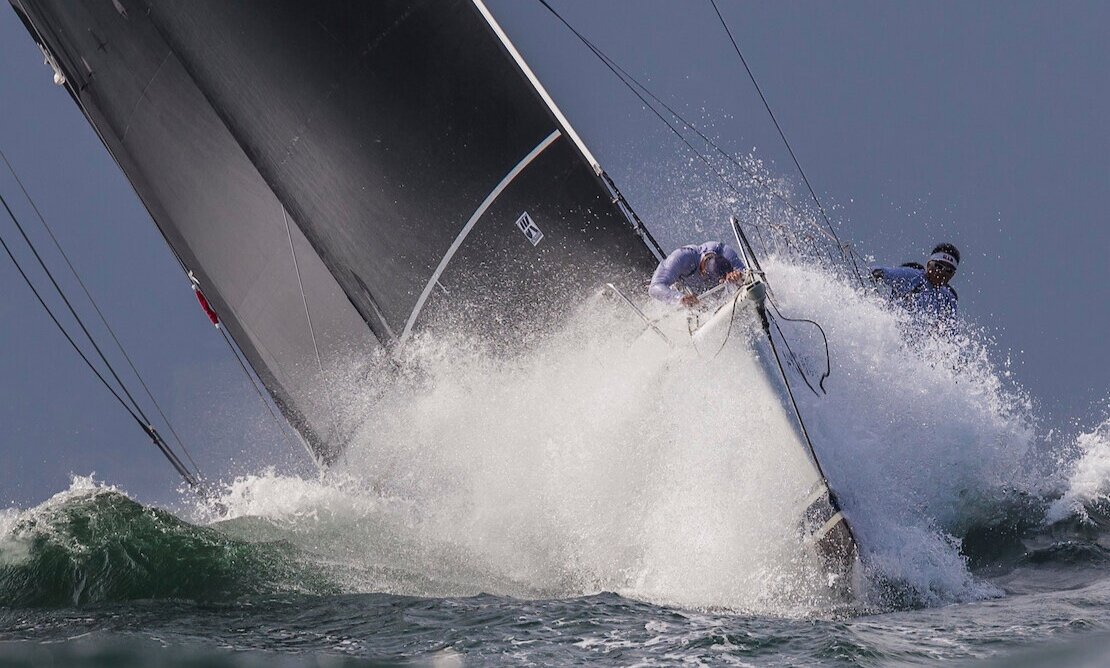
x=528 y=226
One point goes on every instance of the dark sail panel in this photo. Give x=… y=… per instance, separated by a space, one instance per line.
x=371 y=168
x=215 y=210
x=383 y=126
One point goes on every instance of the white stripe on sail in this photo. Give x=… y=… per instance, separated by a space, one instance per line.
x=537 y=85
x=470 y=225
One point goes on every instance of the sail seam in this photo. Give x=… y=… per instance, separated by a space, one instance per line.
x=308 y=316
x=142 y=95
x=524 y=162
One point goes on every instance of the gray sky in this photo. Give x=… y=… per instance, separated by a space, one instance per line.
x=977 y=123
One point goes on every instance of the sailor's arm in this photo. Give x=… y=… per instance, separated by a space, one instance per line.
x=880 y=273
x=947 y=303
x=681 y=262
x=733 y=257
x=900 y=279
x=738 y=266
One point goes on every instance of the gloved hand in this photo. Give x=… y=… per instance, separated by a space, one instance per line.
x=735 y=277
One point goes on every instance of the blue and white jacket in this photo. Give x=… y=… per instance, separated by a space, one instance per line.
x=910 y=290
x=679 y=271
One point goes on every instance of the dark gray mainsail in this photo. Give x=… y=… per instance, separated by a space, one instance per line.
x=340 y=174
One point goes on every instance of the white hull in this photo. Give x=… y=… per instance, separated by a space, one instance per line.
x=732 y=339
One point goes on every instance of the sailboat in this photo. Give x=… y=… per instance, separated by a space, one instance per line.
x=338 y=176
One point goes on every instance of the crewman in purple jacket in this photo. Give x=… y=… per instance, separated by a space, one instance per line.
x=691 y=270
x=924 y=291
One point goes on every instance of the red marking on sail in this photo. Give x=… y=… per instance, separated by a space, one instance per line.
x=208 y=310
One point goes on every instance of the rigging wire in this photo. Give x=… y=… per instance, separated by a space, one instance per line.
x=137 y=413
x=633 y=84
x=76 y=95
x=283 y=425
x=96 y=308
x=785 y=141
x=630 y=81
x=159 y=442
x=615 y=70
x=72 y=311
x=755 y=176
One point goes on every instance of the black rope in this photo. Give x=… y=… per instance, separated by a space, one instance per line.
x=150 y=431
x=824 y=338
x=73 y=311
x=749 y=252
x=96 y=307
x=632 y=84
x=790 y=149
x=282 y=424
x=793 y=357
x=193 y=480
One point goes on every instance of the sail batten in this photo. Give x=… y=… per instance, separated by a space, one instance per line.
x=482 y=208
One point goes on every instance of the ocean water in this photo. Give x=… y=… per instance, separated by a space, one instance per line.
x=602 y=501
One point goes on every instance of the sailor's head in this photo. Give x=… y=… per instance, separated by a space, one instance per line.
x=942 y=264
x=714 y=266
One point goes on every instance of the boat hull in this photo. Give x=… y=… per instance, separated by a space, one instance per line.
x=733 y=338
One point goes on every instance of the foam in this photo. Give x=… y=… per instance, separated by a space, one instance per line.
x=15 y=544
x=1089 y=479
x=586 y=466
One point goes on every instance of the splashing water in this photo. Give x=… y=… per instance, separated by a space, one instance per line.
x=93 y=544
x=1089 y=482
x=588 y=465
x=913 y=428
x=591 y=464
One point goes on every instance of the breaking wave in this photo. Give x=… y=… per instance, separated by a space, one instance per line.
x=93 y=544
x=1089 y=477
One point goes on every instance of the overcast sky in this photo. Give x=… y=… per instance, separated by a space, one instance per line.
x=982 y=123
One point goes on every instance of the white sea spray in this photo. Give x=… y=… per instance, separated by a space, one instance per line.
x=19 y=526
x=587 y=465
x=1089 y=479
